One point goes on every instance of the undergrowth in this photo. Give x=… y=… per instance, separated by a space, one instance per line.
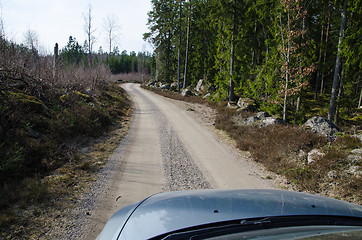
x=283 y=149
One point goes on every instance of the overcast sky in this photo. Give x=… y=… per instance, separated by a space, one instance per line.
x=56 y=20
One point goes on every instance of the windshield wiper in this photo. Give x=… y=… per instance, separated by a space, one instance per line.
x=260 y=222
x=242 y=225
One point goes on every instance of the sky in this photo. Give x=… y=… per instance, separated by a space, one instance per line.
x=55 y=20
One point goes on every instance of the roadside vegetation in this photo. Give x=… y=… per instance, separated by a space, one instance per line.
x=60 y=117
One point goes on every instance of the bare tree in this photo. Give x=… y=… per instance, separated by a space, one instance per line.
x=2 y=27
x=88 y=28
x=31 y=39
x=111 y=26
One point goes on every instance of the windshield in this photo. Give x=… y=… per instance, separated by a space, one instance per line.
x=285 y=227
x=305 y=232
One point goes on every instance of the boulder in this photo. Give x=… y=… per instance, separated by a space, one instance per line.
x=151 y=84
x=232 y=105
x=261 y=119
x=357 y=151
x=186 y=92
x=200 y=85
x=355 y=157
x=246 y=104
x=262 y=115
x=270 y=121
x=355 y=171
x=321 y=126
x=251 y=120
x=165 y=86
x=314 y=155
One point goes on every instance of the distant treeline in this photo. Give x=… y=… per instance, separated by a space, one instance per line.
x=118 y=62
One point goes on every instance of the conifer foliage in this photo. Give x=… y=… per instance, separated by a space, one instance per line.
x=277 y=52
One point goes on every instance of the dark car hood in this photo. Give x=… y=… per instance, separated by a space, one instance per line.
x=166 y=212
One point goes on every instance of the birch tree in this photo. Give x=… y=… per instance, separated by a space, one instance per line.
x=89 y=28
x=111 y=26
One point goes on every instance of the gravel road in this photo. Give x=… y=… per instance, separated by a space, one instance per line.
x=168 y=147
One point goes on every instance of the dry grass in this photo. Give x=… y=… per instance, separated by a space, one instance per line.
x=283 y=149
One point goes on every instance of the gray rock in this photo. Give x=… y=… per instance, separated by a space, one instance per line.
x=261 y=119
x=165 y=86
x=173 y=86
x=232 y=105
x=151 y=84
x=262 y=115
x=270 y=121
x=186 y=92
x=314 y=155
x=357 y=151
x=321 y=126
x=355 y=171
x=251 y=120
x=332 y=174
x=200 y=85
x=246 y=104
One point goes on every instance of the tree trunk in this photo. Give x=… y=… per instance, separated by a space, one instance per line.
x=287 y=60
x=55 y=58
x=360 y=99
x=297 y=107
x=187 y=49
x=110 y=48
x=325 y=53
x=338 y=65
x=179 y=50
x=339 y=97
x=319 y=65
x=231 y=72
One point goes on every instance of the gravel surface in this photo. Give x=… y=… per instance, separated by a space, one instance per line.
x=180 y=171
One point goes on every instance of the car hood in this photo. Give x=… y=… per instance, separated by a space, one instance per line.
x=170 y=211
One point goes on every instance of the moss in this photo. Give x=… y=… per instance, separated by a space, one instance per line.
x=65 y=98
x=35 y=104
x=83 y=96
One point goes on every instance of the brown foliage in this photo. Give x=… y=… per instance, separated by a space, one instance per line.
x=283 y=148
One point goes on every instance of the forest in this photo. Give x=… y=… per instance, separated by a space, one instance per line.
x=74 y=53
x=284 y=54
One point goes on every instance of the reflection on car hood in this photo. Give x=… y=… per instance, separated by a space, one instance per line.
x=166 y=212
